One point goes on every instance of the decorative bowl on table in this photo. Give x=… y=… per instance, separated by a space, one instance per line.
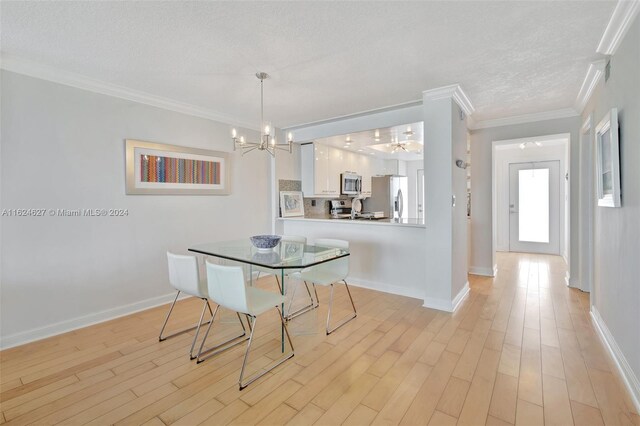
x=265 y=242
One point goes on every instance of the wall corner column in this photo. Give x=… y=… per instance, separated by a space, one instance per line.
x=444 y=114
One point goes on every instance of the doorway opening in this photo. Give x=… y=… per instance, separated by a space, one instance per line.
x=534 y=207
x=531 y=195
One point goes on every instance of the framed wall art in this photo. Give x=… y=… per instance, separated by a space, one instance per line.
x=608 y=160
x=159 y=169
x=291 y=204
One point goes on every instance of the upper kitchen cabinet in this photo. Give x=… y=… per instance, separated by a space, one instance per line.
x=320 y=170
x=383 y=151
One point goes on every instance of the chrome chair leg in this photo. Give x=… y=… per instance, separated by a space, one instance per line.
x=166 y=319
x=227 y=344
x=162 y=338
x=346 y=320
x=195 y=338
x=263 y=371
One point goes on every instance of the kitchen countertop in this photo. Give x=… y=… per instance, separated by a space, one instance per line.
x=417 y=223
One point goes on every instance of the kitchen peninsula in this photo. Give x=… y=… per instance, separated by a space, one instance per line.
x=386 y=254
x=376 y=172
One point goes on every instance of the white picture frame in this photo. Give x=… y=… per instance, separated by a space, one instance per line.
x=291 y=204
x=178 y=170
x=608 y=160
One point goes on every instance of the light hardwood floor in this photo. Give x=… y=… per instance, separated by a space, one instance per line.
x=520 y=350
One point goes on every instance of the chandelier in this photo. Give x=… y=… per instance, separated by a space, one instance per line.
x=267 y=142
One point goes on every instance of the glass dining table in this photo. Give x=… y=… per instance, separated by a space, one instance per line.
x=286 y=257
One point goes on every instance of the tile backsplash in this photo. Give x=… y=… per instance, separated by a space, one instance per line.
x=321 y=208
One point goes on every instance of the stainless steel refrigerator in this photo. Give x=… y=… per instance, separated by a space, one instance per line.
x=388 y=195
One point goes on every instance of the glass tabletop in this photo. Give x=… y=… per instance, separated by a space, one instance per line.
x=286 y=255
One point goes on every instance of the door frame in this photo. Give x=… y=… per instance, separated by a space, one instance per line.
x=555 y=207
x=567 y=194
x=587 y=203
x=420 y=193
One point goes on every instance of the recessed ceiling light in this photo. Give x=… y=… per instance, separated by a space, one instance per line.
x=360 y=149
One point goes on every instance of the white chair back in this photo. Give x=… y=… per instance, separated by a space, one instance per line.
x=184 y=275
x=294 y=239
x=227 y=287
x=339 y=267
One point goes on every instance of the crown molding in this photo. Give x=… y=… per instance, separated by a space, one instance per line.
x=453 y=91
x=45 y=72
x=526 y=118
x=396 y=107
x=594 y=74
x=621 y=19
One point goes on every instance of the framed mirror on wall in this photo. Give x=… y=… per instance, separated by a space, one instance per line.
x=608 y=160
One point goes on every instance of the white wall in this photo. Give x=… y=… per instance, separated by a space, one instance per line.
x=460 y=262
x=446 y=227
x=513 y=154
x=615 y=297
x=64 y=148
x=482 y=228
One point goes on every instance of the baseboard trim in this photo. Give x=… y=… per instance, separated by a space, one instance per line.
x=567 y=279
x=628 y=377
x=40 y=333
x=447 y=305
x=484 y=271
x=573 y=283
x=385 y=288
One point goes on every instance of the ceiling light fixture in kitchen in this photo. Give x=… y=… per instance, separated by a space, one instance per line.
x=523 y=145
x=267 y=142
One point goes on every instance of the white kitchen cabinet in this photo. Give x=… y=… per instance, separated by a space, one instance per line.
x=322 y=165
x=318 y=169
x=350 y=162
x=376 y=166
x=395 y=167
x=363 y=167
x=335 y=168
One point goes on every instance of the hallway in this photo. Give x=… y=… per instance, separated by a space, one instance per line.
x=553 y=365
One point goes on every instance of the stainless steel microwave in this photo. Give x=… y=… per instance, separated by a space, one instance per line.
x=350 y=183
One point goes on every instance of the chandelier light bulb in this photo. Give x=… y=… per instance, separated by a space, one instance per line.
x=266 y=142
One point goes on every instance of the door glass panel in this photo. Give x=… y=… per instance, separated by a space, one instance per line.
x=533 y=200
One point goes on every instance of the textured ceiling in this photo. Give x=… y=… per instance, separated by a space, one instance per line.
x=326 y=59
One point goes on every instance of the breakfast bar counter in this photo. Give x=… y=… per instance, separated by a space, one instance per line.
x=419 y=223
x=386 y=255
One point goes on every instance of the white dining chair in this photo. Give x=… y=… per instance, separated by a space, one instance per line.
x=228 y=289
x=328 y=274
x=184 y=276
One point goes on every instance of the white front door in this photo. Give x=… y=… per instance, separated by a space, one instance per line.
x=534 y=207
x=420 y=185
